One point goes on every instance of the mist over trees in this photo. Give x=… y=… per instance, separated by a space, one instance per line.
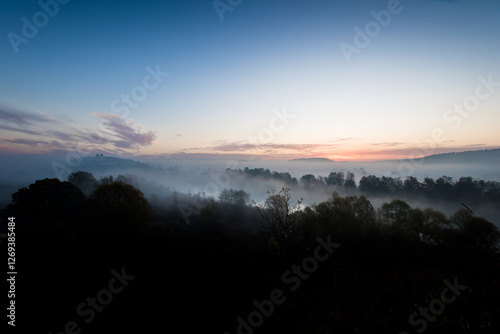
x=444 y=192
x=442 y=187
x=189 y=249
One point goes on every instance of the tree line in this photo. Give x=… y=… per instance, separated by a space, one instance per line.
x=443 y=187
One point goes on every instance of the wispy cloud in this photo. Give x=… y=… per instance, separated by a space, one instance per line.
x=42 y=132
x=15 y=129
x=127 y=136
x=36 y=125
x=475 y=145
x=18 y=117
x=390 y=144
x=28 y=142
x=342 y=139
x=243 y=147
x=366 y=152
x=63 y=136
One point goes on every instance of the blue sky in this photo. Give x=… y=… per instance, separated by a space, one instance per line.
x=222 y=86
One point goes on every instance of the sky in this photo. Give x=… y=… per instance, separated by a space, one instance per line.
x=274 y=79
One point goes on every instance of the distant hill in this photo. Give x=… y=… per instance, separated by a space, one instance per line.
x=312 y=160
x=104 y=164
x=476 y=157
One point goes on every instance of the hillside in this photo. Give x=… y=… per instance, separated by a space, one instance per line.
x=104 y=164
x=476 y=157
x=311 y=160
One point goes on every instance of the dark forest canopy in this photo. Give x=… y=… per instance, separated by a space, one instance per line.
x=188 y=250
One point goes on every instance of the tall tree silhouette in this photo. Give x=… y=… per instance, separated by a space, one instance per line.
x=119 y=206
x=282 y=220
x=85 y=181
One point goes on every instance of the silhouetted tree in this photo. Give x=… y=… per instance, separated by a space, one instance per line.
x=308 y=180
x=390 y=185
x=285 y=177
x=444 y=187
x=85 y=181
x=331 y=179
x=48 y=200
x=482 y=235
x=475 y=232
x=492 y=191
x=349 y=180
x=415 y=224
x=120 y=206
x=467 y=188
x=411 y=185
x=234 y=197
x=344 y=216
x=107 y=179
x=460 y=219
x=363 y=209
x=434 y=222
x=340 y=179
x=429 y=185
x=282 y=220
x=336 y=179
x=394 y=213
x=370 y=184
